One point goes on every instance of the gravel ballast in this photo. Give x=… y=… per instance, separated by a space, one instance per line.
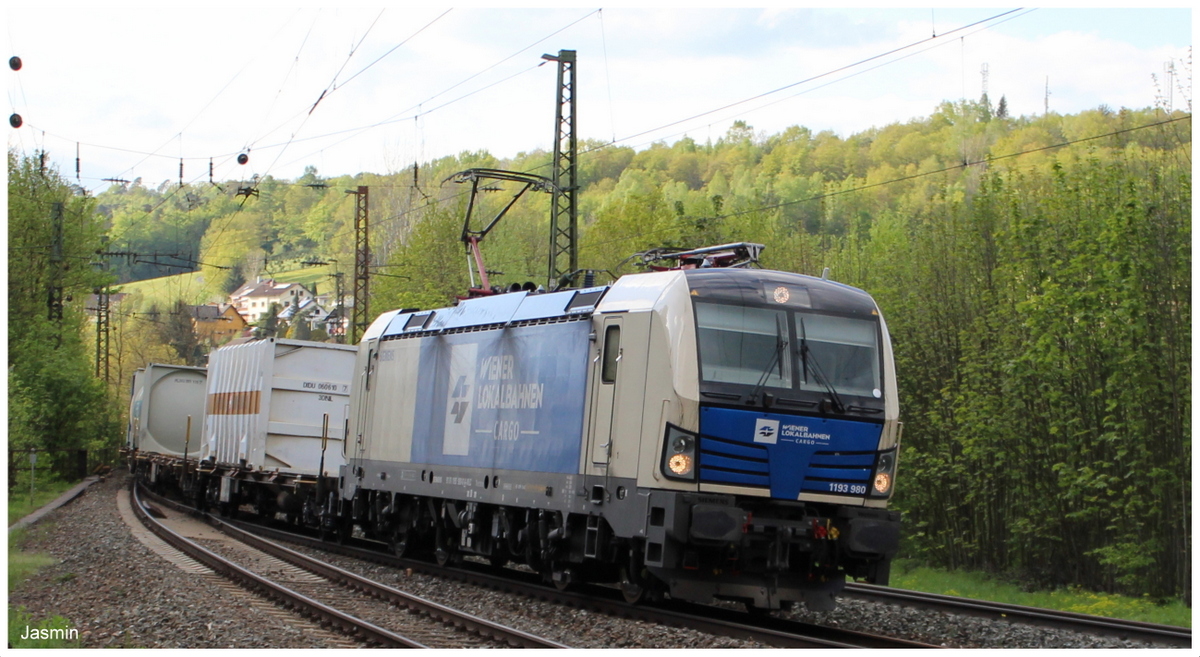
x=118 y=593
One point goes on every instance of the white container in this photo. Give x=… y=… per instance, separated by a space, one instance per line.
x=162 y=398
x=269 y=399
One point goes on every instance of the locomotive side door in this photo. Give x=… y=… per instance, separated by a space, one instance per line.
x=607 y=368
x=366 y=405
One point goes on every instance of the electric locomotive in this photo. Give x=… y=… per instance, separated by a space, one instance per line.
x=703 y=433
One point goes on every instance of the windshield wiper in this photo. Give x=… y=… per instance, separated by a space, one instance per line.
x=817 y=373
x=777 y=357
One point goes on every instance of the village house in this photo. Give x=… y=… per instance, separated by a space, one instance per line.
x=253 y=300
x=217 y=324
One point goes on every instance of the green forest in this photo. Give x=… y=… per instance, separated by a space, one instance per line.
x=1034 y=272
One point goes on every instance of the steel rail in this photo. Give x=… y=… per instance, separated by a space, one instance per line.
x=721 y=622
x=289 y=598
x=512 y=637
x=1124 y=629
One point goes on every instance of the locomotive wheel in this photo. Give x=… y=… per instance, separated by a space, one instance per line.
x=400 y=543
x=633 y=593
x=447 y=557
x=561 y=578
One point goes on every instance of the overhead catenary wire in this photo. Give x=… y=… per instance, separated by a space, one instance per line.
x=962 y=165
x=761 y=95
x=810 y=89
x=328 y=88
x=807 y=199
x=367 y=127
x=198 y=114
x=607 y=78
x=817 y=197
x=421 y=107
x=287 y=76
x=993 y=20
x=812 y=78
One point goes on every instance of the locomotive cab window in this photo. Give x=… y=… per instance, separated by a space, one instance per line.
x=845 y=351
x=791 y=349
x=740 y=344
x=612 y=351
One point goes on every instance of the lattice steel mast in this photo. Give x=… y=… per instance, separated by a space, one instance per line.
x=564 y=222
x=362 y=263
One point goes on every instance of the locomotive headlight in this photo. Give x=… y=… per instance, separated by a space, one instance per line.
x=680 y=464
x=885 y=470
x=679 y=454
x=883 y=483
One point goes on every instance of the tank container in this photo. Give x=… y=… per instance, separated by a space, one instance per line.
x=162 y=398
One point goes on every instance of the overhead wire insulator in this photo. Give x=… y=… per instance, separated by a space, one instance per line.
x=15 y=119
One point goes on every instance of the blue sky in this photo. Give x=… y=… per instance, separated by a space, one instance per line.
x=138 y=89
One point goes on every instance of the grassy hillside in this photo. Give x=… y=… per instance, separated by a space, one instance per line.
x=195 y=288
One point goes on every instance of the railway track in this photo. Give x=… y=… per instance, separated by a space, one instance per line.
x=1124 y=629
x=769 y=631
x=377 y=614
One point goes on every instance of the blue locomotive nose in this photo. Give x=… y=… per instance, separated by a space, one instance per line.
x=787 y=454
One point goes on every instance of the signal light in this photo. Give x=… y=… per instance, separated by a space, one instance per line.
x=15 y=120
x=242 y=158
x=14 y=63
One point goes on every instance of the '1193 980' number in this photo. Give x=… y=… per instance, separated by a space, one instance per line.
x=853 y=489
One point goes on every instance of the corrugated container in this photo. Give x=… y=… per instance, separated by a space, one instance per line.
x=162 y=398
x=268 y=400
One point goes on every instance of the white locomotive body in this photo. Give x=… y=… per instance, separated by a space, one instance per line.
x=722 y=433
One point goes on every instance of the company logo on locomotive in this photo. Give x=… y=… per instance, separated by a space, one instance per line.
x=766 y=431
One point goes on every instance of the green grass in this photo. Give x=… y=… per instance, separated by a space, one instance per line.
x=46 y=491
x=194 y=287
x=22 y=566
x=915 y=577
x=19 y=624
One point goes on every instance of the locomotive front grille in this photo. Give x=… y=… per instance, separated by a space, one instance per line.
x=731 y=462
x=839 y=472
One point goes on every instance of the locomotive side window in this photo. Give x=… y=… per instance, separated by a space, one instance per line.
x=612 y=350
